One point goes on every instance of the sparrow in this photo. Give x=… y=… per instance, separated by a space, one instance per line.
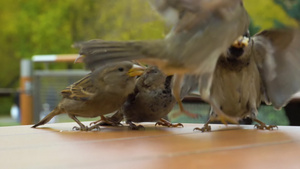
x=264 y=67
x=202 y=31
x=102 y=91
x=151 y=101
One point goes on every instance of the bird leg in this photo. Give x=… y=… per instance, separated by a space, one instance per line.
x=106 y=122
x=176 y=92
x=82 y=127
x=102 y=118
x=263 y=125
x=164 y=122
x=215 y=116
x=220 y=115
x=205 y=128
x=133 y=126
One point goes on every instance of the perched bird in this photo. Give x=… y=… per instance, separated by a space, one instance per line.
x=101 y=92
x=265 y=68
x=151 y=100
x=202 y=31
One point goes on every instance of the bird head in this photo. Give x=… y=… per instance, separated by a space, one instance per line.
x=79 y=59
x=237 y=49
x=153 y=77
x=117 y=76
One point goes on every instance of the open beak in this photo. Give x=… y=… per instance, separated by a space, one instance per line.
x=136 y=70
x=241 y=42
x=79 y=59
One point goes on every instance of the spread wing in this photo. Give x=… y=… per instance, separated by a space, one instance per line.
x=201 y=23
x=81 y=90
x=277 y=54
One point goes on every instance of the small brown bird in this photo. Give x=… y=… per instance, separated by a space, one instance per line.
x=202 y=31
x=101 y=92
x=151 y=100
x=263 y=68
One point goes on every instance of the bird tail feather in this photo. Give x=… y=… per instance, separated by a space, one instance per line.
x=46 y=119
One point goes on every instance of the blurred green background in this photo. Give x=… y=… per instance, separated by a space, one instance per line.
x=52 y=26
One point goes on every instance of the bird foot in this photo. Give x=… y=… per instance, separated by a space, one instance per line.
x=135 y=127
x=86 y=128
x=264 y=126
x=203 y=129
x=168 y=124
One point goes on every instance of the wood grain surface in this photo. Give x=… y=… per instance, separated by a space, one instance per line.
x=57 y=146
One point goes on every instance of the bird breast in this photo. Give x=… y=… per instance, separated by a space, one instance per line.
x=237 y=92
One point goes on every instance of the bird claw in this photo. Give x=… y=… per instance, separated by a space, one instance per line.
x=75 y=128
x=168 y=124
x=203 y=129
x=86 y=128
x=136 y=127
x=264 y=126
x=82 y=128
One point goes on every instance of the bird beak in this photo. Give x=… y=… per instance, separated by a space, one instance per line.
x=241 y=42
x=79 y=59
x=140 y=64
x=136 y=70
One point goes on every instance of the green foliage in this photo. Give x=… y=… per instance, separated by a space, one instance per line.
x=266 y=13
x=32 y=27
x=253 y=28
x=292 y=7
x=52 y=26
x=5 y=105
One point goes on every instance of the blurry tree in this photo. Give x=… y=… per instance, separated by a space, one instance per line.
x=253 y=28
x=266 y=14
x=292 y=7
x=52 y=26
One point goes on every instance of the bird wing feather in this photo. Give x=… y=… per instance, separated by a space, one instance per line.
x=82 y=90
x=277 y=54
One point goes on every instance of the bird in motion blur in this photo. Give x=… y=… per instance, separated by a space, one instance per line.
x=202 y=31
x=265 y=68
x=101 y=92
x=151 y=101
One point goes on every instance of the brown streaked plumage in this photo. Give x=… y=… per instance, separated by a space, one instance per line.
x=100 y=92
x=151 y=100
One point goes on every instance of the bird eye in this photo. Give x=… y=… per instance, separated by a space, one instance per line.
x=121 y=69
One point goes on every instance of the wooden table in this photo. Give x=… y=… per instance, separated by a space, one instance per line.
x=56 y=146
